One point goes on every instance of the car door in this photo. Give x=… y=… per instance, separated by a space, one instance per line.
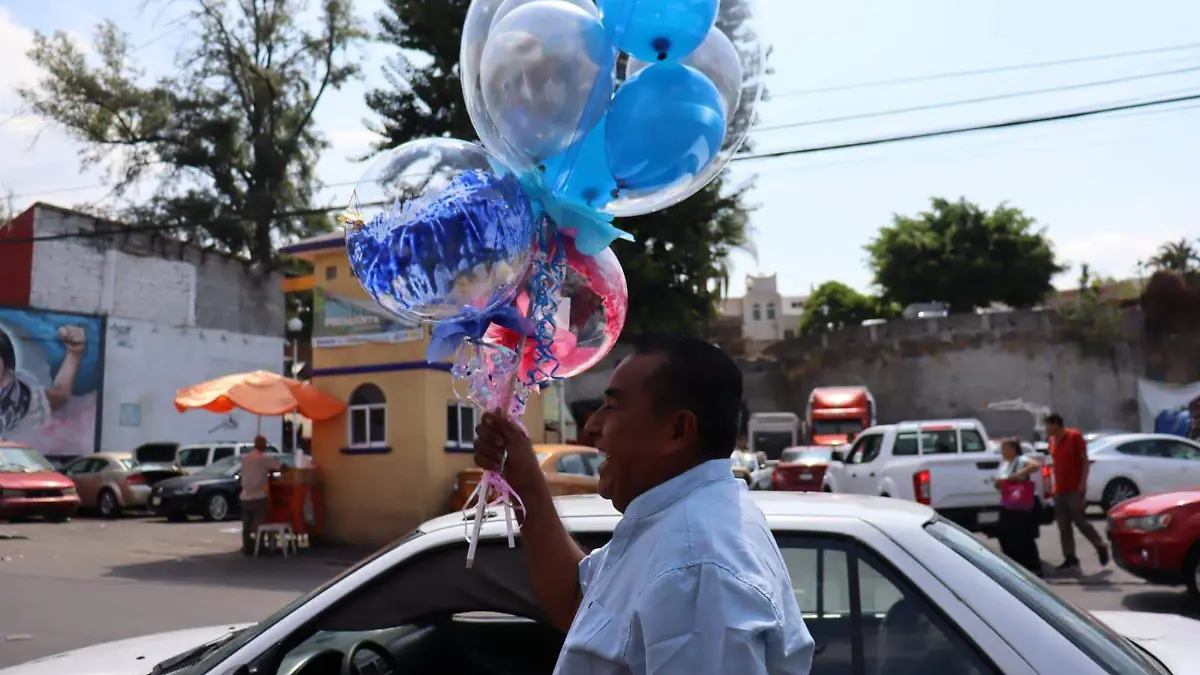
x=85 y=473
x=863 y=470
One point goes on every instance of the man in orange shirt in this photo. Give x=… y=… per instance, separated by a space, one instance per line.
x=1068 y=450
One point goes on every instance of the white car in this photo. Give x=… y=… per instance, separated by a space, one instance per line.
x=1124 y=466
x=886 y=587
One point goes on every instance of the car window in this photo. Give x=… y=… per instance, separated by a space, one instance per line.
x=906 y=444
x=593 y=461
x=939 y=441
x=127 y=463
x=871 y=446
x=1178 y=450
x=222 y=452
x=79 y=466
x=571 y=463
x=845 y=591
x=972 y=441
x=193 y=457
x=1136 y=449
x=1111 y=652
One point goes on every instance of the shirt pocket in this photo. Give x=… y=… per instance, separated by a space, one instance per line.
x=597 y=637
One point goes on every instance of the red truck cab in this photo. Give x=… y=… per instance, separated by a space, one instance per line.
x=836 y=414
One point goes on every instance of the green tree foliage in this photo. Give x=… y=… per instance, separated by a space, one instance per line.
x=961 y=254
x=1181 y=257
x=679 y=266
x=836 y=304
x=229 y=131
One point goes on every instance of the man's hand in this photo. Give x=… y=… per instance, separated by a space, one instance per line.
x=496 y=436
x=72 y=338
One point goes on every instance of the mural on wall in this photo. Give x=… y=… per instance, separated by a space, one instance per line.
x=340 y=321
x=51 y=376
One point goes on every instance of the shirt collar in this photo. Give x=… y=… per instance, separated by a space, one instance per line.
x=663 y=495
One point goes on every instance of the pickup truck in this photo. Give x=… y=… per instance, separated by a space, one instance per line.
x=946 y=464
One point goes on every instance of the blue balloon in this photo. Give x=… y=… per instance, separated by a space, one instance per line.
x=658 y=30
x=580 y=174
x=667 y=122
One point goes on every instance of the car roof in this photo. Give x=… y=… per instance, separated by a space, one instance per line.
x=1115 y=439
x=110 y=454
x=573 y=509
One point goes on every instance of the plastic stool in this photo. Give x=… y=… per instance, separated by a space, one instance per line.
x=282 y=533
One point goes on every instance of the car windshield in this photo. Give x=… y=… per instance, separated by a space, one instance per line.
x=1113 y=653
x=806 y=456
x=222 y=468
x=23 y=460
x=836 y=427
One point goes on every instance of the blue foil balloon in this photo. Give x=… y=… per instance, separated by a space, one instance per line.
x=580 y=174
x=441 y=231
x=666 y=123
x=658 y=30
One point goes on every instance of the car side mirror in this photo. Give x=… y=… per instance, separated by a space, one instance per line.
x=837 y=456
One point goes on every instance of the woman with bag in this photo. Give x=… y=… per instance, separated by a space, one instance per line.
x=1018 y=499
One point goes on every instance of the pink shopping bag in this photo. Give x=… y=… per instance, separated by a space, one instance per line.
x=1017 y=495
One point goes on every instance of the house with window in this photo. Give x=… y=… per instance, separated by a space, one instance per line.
x=763 y=314
x=390 y=461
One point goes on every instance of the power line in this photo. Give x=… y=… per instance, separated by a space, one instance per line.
x=970 y=129
x=981 y=99
x=985 y=71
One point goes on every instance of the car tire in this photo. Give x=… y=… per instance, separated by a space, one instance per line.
x=826 y=488
x=107 y=504
x=1117 y=491
x=1191 y=572
x=216 y=507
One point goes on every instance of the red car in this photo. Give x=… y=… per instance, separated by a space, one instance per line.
x=1157 y=538
x=29 y=486
x=801 y=469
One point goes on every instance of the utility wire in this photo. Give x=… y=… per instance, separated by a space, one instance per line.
x=984 y=71
x=1009 y=124
x=980 y=99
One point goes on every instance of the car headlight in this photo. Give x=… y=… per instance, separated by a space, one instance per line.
x=1149 y=523
x=69 y=491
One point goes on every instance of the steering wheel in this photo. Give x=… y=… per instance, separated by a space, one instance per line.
x=349 y=667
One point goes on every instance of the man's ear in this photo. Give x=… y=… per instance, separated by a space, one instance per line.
x=684 y=429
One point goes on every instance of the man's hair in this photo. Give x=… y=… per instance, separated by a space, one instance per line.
x=260 y=442
x=1055 y=419
x=698 y=377
x=8 y=353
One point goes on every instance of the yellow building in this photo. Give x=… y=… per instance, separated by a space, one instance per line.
x=390 y=461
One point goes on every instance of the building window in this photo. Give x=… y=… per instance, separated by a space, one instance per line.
x=460 y=426
x=757 y=313
x=368 y=417
x=330 y=272
x=770 y=311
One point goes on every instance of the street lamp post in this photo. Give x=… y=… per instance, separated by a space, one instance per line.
x=295 y=325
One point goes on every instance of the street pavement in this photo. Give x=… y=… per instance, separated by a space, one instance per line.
x=64 y=586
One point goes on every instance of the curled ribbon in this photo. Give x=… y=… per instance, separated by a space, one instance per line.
x=446 y=338
x=505 y=497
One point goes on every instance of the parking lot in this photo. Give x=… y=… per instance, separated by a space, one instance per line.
x=69 y=585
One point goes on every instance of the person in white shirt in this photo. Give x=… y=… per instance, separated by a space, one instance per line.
x=257 y=467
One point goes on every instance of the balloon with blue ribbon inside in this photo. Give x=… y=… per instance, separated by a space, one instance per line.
x=658 y=30
x=666 y=124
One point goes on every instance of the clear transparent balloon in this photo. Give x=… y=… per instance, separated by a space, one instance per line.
x=545 y=98
x=441 y=230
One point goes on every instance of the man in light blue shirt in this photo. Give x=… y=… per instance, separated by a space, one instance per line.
x=692 y=582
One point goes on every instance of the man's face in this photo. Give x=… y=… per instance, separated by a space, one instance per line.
x=633 y=436
x=1053 y=430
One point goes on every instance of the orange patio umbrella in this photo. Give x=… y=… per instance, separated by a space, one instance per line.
x=260 y=393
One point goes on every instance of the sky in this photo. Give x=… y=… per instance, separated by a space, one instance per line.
x=1108 y=189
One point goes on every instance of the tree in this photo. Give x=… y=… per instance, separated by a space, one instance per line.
x=679 y=266
x=962 y=255
x=231 y=131
x=1180 y=257
x=836 y=304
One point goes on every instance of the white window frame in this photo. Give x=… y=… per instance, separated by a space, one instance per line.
x=459 y=443
x=366 y=409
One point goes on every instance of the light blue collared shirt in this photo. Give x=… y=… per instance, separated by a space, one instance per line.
x=692 y=583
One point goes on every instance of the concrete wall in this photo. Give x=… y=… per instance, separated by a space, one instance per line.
x=140 y=276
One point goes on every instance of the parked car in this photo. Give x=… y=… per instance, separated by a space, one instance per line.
x=886 y=587
x=945 y=464
x=191 y=458
x=1124 y=466
x=570 y=470
x=211 y=493
x=111 y=482
x=1157 y=538
x=802 y=469
x=29 y=486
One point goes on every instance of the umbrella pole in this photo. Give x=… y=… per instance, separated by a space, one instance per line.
x=258 y=431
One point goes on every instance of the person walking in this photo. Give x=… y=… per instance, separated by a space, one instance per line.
x=692 y=582
x=1068 y=450
x=257 y=467
x=1018 y=526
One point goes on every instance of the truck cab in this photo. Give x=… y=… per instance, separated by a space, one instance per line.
x=836 y=415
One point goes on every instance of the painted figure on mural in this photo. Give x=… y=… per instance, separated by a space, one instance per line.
x=23 y=403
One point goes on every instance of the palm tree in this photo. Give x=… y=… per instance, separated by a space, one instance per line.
x=1180 y=257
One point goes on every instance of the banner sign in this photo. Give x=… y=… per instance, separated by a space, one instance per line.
x=341 y=321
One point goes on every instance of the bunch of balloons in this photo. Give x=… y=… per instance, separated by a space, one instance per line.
x=504 y=247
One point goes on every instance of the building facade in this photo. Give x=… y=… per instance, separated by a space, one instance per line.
x=107 y=323
x=765 y=315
